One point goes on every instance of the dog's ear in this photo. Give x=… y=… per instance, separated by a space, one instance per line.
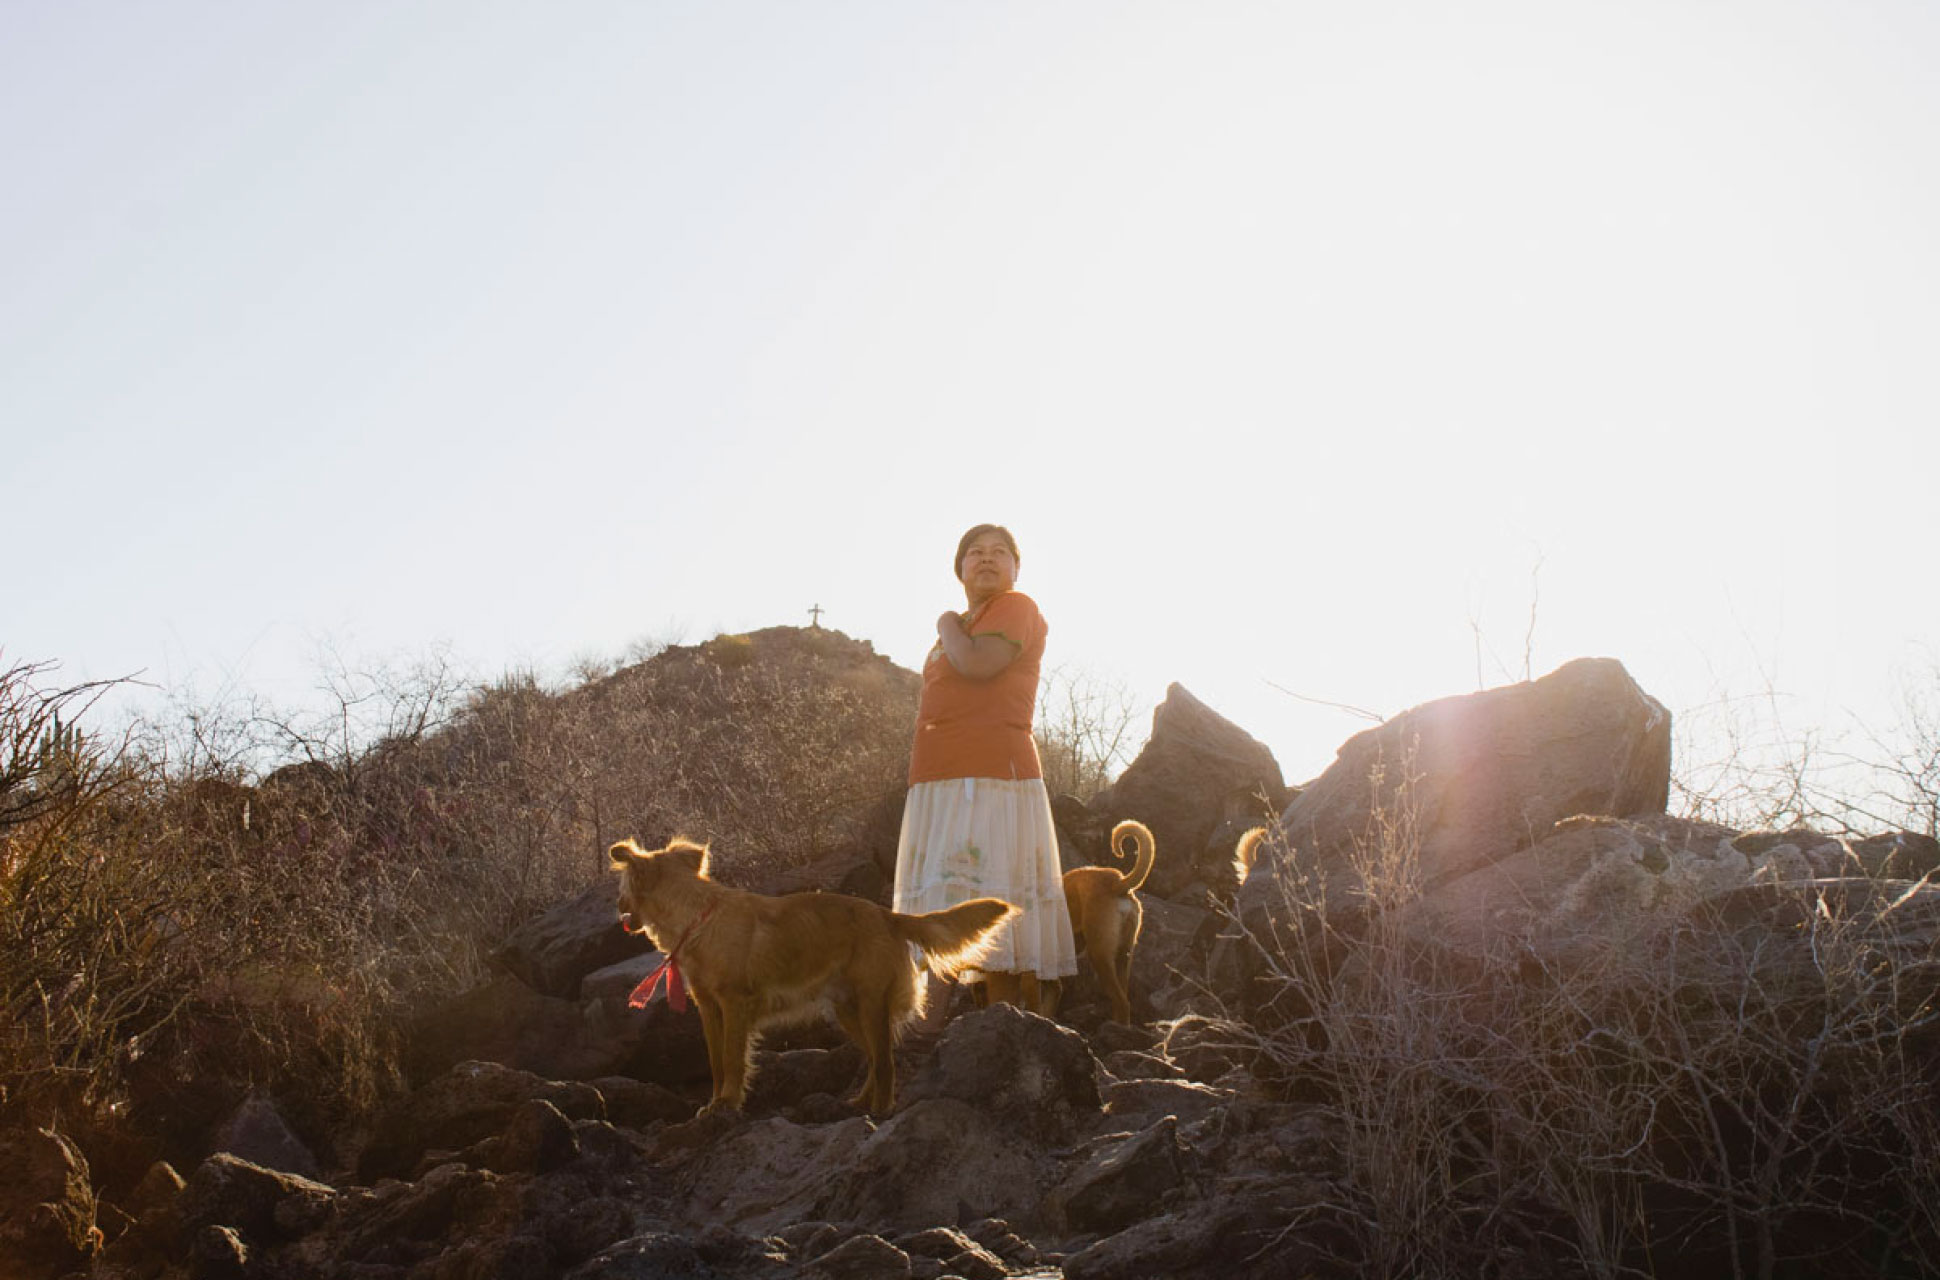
x=624 y=853
x=689 y=856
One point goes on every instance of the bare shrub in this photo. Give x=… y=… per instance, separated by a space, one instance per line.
x=82 y=976
x=1085 y=730
x=1743 y=763
x=1753 y=1095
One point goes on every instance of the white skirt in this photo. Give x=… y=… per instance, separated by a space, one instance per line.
x=969 y=838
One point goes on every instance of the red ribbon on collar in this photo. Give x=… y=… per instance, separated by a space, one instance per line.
x=668 y=971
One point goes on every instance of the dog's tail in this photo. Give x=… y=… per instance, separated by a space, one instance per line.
x=1148 y=848
x=1247 y=851
x=957 y=937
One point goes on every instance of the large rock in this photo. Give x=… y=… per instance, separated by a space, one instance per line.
x=472 y=1102
x=1856 y=956
x=1031 y=1072
x=553 y=951
x=1589 y=886
x=47 y=1206
x=507 y=1022
x=1123 y=1178
x=1457 y=784
x=1180 y=787
x=764 y=1174
x=935 y=1160
x=1238 y=1237
x=262 y=1205
x=257 y=1132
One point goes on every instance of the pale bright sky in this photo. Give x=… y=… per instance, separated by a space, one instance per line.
x=1297 y=342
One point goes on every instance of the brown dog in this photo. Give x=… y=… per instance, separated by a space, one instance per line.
x=1106 y=915
x=1247 y=852
x=753 y=961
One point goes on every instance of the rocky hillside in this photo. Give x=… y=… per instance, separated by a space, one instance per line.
x=1480 y=1007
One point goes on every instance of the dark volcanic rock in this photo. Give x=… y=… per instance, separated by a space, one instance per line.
x=258 y=1133
x=470 y=1103
x=895 y=1179
x=507 y=1022
x=1472 y=779
x=47 y=1205
x=863 y=1257
x=1232 y=1238
x=1179 y=787
x=263 y=1205
x=1125 y=1177
x=552 y=952
x=1029 y=1070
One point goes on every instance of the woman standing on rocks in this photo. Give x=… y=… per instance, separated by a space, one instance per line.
x=978 y=819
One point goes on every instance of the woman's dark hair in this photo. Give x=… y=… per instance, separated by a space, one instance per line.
x=963 y=544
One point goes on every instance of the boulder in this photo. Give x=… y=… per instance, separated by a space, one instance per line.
x=1237 y=1237
x=468 y=1104
x=218 y=1253
x=1597 y=889
x=1144 y=1100
x=1028 y=1071
x=1169 y=970
x=261 y=1205
x=451 y=1208
x=1180 y=786
x=537 y=1139
x=1457 y=784
x=761 y=1175
x=1796 y=949
x=655 y=1256
x=1898 y=855
x=638 y=1104
x=935 y=1160
x=506 y=1022
x=863 y=1257
x=956 y=1253
x=553 y=951
x=47 y=1206
x=1123 y=1178
x=1588 y=886
x=257 y=1132
x=787 y=1078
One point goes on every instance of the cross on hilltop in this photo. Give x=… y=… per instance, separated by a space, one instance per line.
x=815 y=617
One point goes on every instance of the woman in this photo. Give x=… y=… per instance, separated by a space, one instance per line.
x=978 y=819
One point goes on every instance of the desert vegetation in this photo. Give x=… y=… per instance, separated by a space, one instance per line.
x=244 y=900
x=286 y=885
x=1754 y=1093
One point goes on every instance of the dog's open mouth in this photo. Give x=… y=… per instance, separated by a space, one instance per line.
x=627 y=925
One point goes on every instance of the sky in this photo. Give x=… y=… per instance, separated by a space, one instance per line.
x=1316 y=353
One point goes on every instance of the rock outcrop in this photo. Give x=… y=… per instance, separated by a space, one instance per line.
x=1181 y=786
x=550 y=1130
x=1461 y=783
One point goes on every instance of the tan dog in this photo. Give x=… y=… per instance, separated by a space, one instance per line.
x=1106 y=915
x=1247 y=852
x=753 y=961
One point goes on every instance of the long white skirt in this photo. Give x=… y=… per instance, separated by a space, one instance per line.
x=969 y=838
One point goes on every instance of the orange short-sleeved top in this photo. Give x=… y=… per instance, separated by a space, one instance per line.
x=982 y=728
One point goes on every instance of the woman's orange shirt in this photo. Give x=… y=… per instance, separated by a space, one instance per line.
x=982 y=728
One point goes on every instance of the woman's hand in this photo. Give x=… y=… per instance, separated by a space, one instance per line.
x=974 y=657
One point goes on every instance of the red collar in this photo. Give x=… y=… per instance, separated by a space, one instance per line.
x=668 y=971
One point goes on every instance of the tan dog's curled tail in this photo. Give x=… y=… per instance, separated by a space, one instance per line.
x=1247 y=852
x=957 y=937
x=1147 y=847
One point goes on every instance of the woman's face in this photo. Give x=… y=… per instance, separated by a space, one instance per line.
x=988 y=568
